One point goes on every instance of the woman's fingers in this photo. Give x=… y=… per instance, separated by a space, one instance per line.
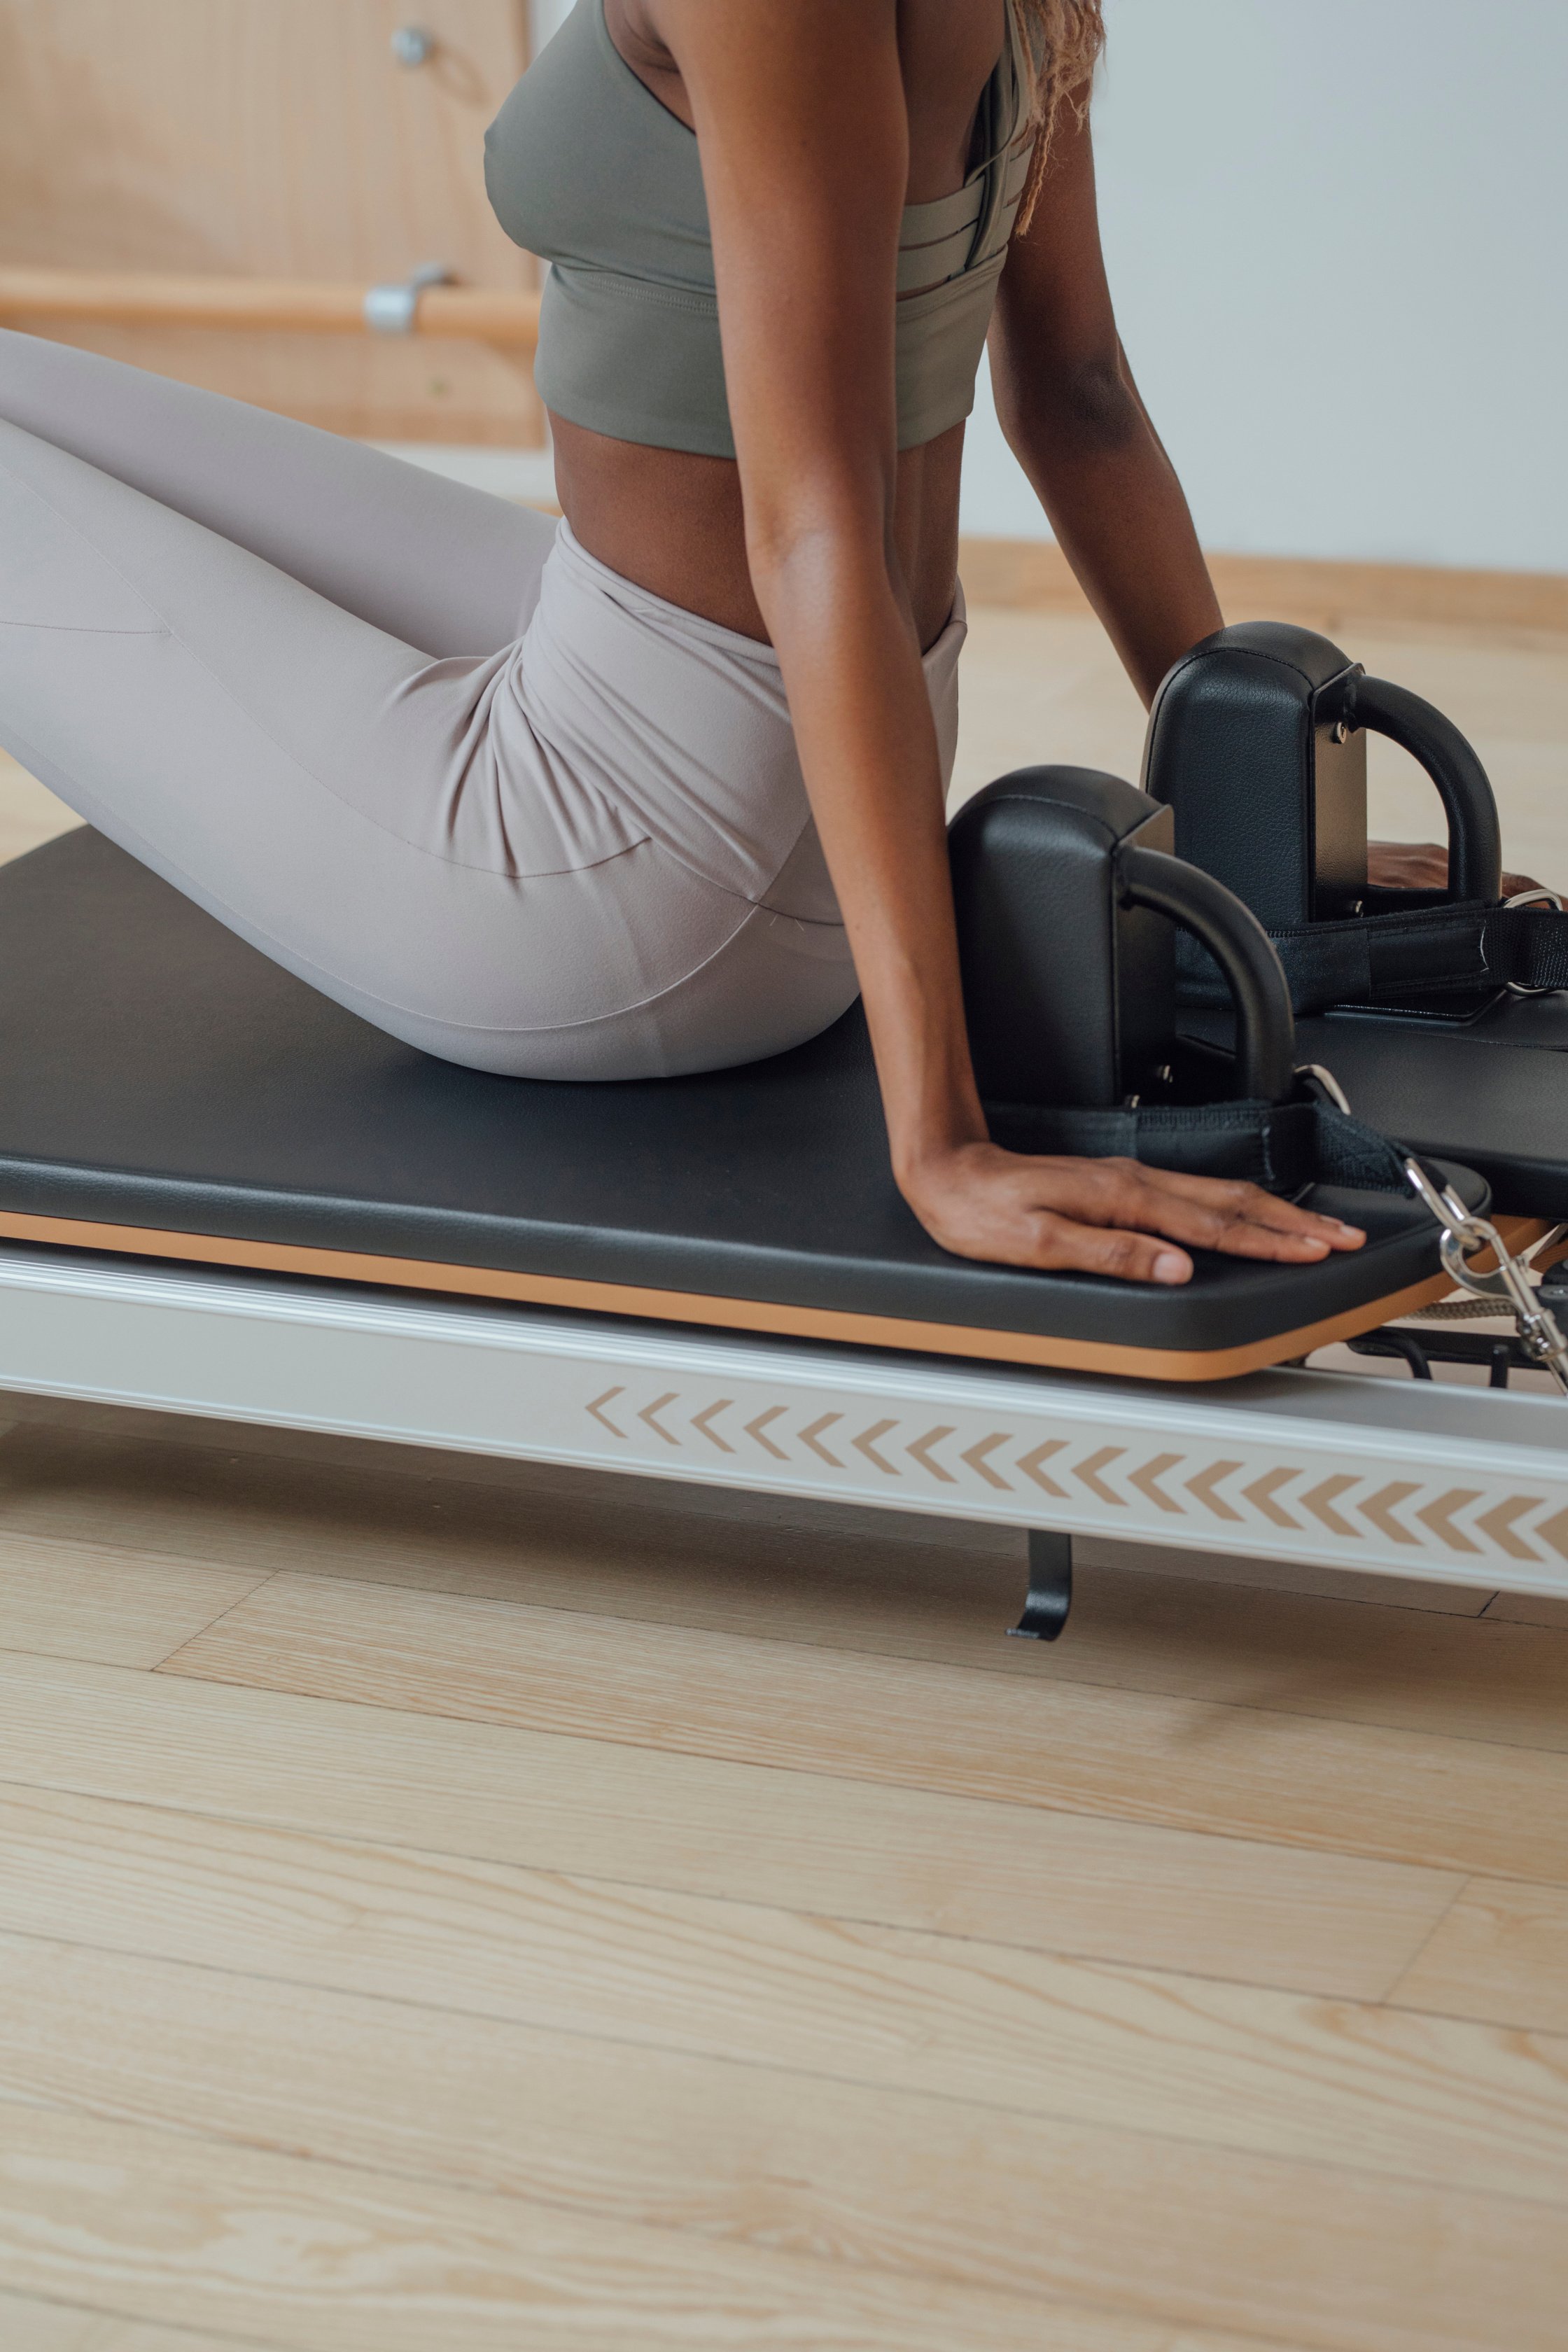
x=1108 y=1216
x=1407 y=866
x=1423 y=865
x=1062 y=1246
x=1255 y=1206
x=1238 y=1219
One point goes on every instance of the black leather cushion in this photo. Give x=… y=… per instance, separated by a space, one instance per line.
x=1235 y=747
x=155 y=1071
x=1069 y=990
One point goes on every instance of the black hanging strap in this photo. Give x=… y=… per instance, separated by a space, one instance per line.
x=1385 y=959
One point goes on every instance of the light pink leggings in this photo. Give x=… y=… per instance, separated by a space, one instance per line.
x=411 y=741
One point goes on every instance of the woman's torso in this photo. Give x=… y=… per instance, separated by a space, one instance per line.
x=669 y=517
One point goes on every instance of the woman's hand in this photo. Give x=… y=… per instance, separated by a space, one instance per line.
x=1105 y=1216
x=1423 y=865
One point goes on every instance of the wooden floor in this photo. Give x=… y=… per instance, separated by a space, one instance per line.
x=447 y=1906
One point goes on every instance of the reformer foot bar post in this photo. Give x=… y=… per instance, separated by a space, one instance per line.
x=1050 y=1595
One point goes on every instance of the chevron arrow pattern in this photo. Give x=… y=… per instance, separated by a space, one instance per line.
x=976 y=1458
x=600 y=1415
x=1088 y=1474
x=1147 y=1481
x=1379 y=1510
x=1030 y=1467
x=704 y=1422
x=650 y=1414
x=1320 y=1503
x=758 y=1429
x=1262 y=1492
x=1555 y=1533
x=1139 y=1481
x=812 y=1437
x=1439 y=1517
x=920 y=1451
x=1203 y=1486
x=866 y=1444
x=1497 y=1523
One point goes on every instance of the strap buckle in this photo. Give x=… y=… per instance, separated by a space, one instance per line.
x=1327 y=1085
x=1537 y=895
x=1464 y=1237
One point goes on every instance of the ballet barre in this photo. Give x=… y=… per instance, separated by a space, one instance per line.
x=423 y=304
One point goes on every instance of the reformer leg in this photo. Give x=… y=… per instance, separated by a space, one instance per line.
x=1050 y=1587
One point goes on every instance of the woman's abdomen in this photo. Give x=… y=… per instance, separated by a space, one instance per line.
x=674 y=523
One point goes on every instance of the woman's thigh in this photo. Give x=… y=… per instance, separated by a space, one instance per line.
x=404 y=834
x=282 y=761
x=445 y=568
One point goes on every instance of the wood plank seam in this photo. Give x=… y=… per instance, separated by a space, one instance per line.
x=916 y=1669
x=730 y=2295
x=1389 y=1999
x=167 y=2336
x=1070 y=1955
x=596 y=1883
x=520 y=2023
x=1277 y=2178
x=218 y=1619
x=1005 y=1662
x=1275 y=1896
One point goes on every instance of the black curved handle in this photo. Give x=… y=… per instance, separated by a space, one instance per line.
x=1474 y=838
x=1265 y=1024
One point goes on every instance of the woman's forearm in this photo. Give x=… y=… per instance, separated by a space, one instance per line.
x=1071 y=412
x=869 y=749
x=1114 y=500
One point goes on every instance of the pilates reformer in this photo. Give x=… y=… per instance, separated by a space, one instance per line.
x=221 y=1194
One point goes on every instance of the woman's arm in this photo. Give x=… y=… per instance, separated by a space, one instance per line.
x=799 y=109
x=1073 y=419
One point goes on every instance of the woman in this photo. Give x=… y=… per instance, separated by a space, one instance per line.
x=660 y=790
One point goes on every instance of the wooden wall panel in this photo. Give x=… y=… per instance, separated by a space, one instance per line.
x=275 y=137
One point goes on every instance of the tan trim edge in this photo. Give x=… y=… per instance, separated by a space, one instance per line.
x=746 y=1314
x=1034 y=574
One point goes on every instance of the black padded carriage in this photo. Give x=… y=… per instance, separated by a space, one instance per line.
x=166 y=1090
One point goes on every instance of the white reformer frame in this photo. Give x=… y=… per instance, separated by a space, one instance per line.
x=1461 y=1485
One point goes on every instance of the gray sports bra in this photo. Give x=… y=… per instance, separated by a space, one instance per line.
x=587 y=168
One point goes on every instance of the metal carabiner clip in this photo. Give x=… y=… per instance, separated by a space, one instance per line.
x=1464 y=1236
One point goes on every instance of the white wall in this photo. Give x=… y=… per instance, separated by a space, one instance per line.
x=1335 y=230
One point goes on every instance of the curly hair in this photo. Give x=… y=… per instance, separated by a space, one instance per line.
x=1065 y=38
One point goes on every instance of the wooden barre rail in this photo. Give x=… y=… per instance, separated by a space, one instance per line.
x=479 y=313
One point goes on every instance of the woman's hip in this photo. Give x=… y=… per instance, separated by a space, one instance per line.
x=620 y=702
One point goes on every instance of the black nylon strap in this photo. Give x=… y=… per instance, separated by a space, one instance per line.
x=1281 y=1146
x=1385 y=959
x=1530 y=945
